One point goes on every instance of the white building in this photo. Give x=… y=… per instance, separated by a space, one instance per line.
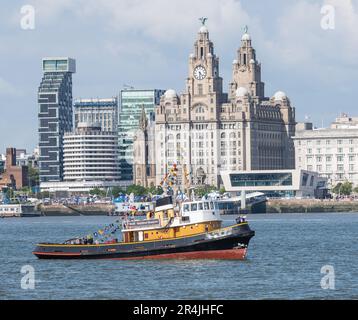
x=332 y=152
x=299 y=183
x=90 y=154
x=90 y=160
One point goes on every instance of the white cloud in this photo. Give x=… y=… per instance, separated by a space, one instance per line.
x=160 y=20
x=300 y=38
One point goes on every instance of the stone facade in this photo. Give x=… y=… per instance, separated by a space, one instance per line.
x=210 y=131
x=332 y=152
x=144 y=170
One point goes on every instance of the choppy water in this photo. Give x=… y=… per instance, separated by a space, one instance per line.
x=284 y=262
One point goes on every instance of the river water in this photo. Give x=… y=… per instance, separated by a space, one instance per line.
x=284 y=262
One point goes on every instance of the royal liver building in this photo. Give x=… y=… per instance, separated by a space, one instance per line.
x=207 y=131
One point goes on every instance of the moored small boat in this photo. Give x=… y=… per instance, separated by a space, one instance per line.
x=193 y=232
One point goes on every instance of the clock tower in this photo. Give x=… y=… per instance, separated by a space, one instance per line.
x=247 y=70
x=204 y=86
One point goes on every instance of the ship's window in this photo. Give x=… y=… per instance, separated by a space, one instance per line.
x=186 y=207
x=194 y=207
x=216 y=205
x=200 y=206
x=211 y=206
x=206 y=205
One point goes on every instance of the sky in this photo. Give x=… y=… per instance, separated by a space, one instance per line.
x=146 y=44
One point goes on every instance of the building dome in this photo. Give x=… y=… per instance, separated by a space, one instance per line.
x=246 y=36
x=241 y=92
x=192 y=55
x=203 y=29
x=279 y=96
x=169 y=94
x=235 y=62
x=252 y=61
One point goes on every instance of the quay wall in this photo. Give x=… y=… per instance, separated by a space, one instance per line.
x=76 y=210
x=310 y=205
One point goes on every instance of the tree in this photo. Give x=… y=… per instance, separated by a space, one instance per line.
x=155 y=190
x=136 y=190
x=33 y=176
x=347 y=188
x=97 y=192
x=116 y=191
x=26 y=190
x=336 y=188
x=344 y=188
x=204 y=190
x=43 y=195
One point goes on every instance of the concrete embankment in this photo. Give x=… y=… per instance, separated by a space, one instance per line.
x=76 y=210
x=309 y=205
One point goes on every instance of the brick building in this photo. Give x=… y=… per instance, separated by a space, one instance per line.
x=14 y=176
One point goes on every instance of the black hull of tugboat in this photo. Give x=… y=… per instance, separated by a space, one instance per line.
x=231 y=246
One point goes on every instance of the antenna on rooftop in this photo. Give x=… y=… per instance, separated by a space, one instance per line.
x=126 y=86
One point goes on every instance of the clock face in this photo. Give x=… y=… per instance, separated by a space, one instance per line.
x=199 y=73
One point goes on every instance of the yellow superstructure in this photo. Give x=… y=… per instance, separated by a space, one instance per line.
x=166 y=223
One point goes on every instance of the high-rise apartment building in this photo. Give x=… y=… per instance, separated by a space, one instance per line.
x=103 y=111
x=132 y=102
x=55 y=115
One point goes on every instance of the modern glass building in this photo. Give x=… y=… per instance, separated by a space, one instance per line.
x=103 y=111
x=55 y=115
x=261 y=179
x=298 y=182
x=131 y=103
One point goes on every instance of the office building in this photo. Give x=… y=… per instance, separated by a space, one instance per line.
x=332 y=152
x=279 y=183
x=103 y=111
x=132 y=101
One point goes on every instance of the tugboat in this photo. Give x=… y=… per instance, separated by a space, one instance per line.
x=194 y=231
